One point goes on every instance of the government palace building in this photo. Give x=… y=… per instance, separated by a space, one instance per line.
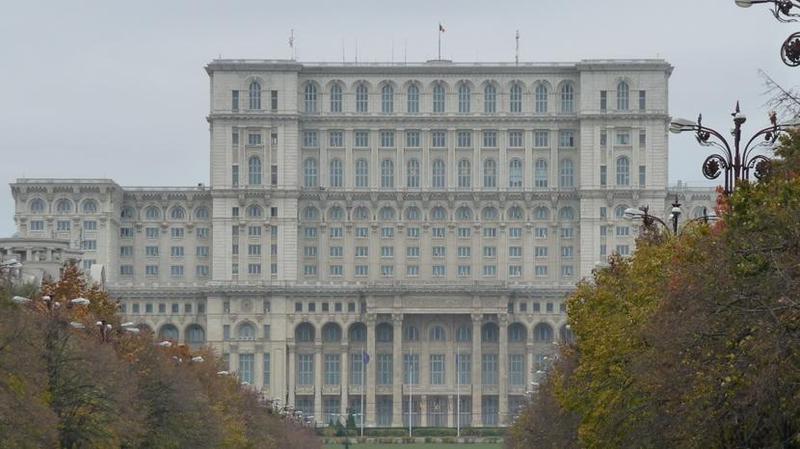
x=398 y=235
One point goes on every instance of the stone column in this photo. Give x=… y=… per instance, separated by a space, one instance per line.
x=292 y=376
x=318 y=381
x=397 y=368
x=423 y=410
x=502 y=362
x=451 y=409
x=345 y=380
x=477 y=321
x=369 y=383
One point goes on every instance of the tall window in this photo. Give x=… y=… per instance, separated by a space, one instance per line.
x=515 y=174
x=336 y=98
x=412 y=173
x=311 y=98
x=516 y=98
x=362 y=173
x=255 y=95
x=489 y=99
x=642 y=100
x=489 y=173
x=387 y=99
x=305 y=369
x=254 y=171
x=567 y=98
x=463 y=98
x=246 y=363
x=387 y=174
x=541 y=99
x=464 y=174
x=411 y=368
x=439 y=178
x=412 y=99
x=566 y=174
x=438 y=98
x=337 y=173
x=384 y=371
x=310 y=173
x=362 y=98
x=623 y=171
x=437 y=369
x=333 y=369
x=623 y=96
x=540 y=173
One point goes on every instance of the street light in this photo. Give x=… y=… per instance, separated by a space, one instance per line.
x=736 y=162
x=784 y=11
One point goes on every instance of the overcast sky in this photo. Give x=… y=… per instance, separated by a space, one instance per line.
x=107 y=89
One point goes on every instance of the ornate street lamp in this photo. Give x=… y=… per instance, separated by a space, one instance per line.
x=648 y=221
x=735 y=162
x=784 y=11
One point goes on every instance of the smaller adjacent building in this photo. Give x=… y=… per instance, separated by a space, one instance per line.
x=33 y=260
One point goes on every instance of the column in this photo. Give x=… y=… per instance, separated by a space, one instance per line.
x=345 y=381
x=530 y=375
x=369 y=383
x=423 y=409
x=397 y=368
x=502 y=362
x=451 y=409
x=292 y=367
x=477 y=321
x=318 y=382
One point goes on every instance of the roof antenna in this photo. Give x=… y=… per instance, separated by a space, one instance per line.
x=516 y=54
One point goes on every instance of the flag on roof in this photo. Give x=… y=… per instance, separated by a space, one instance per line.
x=441 y=28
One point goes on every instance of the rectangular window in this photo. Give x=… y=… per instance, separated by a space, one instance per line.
x=362 y=139
x=412 y=139
x=540 y=233
x=567 y=233
x=515 y=233
x=253 y=250
x=126 y=233
x=412 y=252
x=235 y=137
x=516 y=369
x=356 y=368
x=516 y=139
x=310 y=233
x=176 y=271
x=336 y=233
x=464 y=366
x=274 y=175
x=235 y=175
x=274 y=100
x=438 y=139
x=623 y=231
x=490 y=232
x=541 y=138
x=464 y=252
x=362 y=232
x=305 y=369
x=309 y=270
x=234 y=100
x=384 y=369
x=336 y=251
x=267 y=369
x=603 y=101
x=254 y=231
x=254 y=138
x=151 y=270
x=411 y=369
x=177 y=233
x=89 y=225
x=387 y=138
x=361 y=270
x=567 y=252
x=202 y=233
x=201 y=271
x=642 y=139
x=603 y=175
x=387 y=233
x=623 y=138
x=642 y=100
x=437 y=369
x=567 y=271
x=438 y=271
x=623 y=250
x=603 y=138
x=126 y=251
x=310 y=139
x=176 y=251
x=540 y=252
x=490 y=139
x=333 y=372
x=201 y=251
x=566 y=138
x=464 y=233
x=362 y=251
x=515 y=270
x=387 y=251
x=412 y=270
x=489 y=369
x=464 y=270
x=603 y=249
x=514 y=251
x=490 y=251
x=63 y=225
x=336 y=139
x=246 y=362
x=642 y=175
x=387 y=270
x=540 y=270
x=490 y=270
x=36 y=225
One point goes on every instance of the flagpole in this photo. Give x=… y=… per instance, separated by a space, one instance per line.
x=410 y=375
x=458 y=392
x=363 y=387
x=440 y=42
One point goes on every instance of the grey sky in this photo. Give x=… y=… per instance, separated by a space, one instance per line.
x=104 y=89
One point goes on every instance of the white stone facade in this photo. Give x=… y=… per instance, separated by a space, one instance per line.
x=414 y=212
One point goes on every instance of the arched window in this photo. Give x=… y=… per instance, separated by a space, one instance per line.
x=567 y=98
x=489 y=214
x=464 y=213
x=412 y=173
x=384 y=333
x=463 y=98
x=438 y=180
x=255 y=95
x=413 y=214
x=540 y=173
x=152 y=213
x=410 y=333
x=331 y=333
x=246 y=331
x=386 y=213
x=489 y=99
x=304 y=333
x=90 y=207
x=195 y=335
x=336 y=213
x=623 y=96
x=516 y=98
x=201 y=213
x=490 y=333
x=336 y=98
x=362 y=173
x=311 y=98
x=464 y=174
x=387 y=174
x=543 y=333
x=489 y=173
x=310 y=213
x=337 y=173
x=358 y=333
x=541 y=213
x=517 y=333
x=310 y=173
x=254 y=171
x=463 y=334
x=515 y=173
x=37 y=206
x=541 y=99
x=623 y=171
x=567 y=214
x=387 y=99
x=361 y=213
x=177 y=213
x=438 y=98
x=64 y=206
x=566 y=173
x=516 y=213
x=437 y=334
x=362 y=98
x=619 y=211
x=168 y=332
x=127 y=214
x=438 y=214
x=412 y=99
x=254 y=211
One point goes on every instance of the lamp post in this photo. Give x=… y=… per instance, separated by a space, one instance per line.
x=643 y=213
x=784 y=11
x=735 y=161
